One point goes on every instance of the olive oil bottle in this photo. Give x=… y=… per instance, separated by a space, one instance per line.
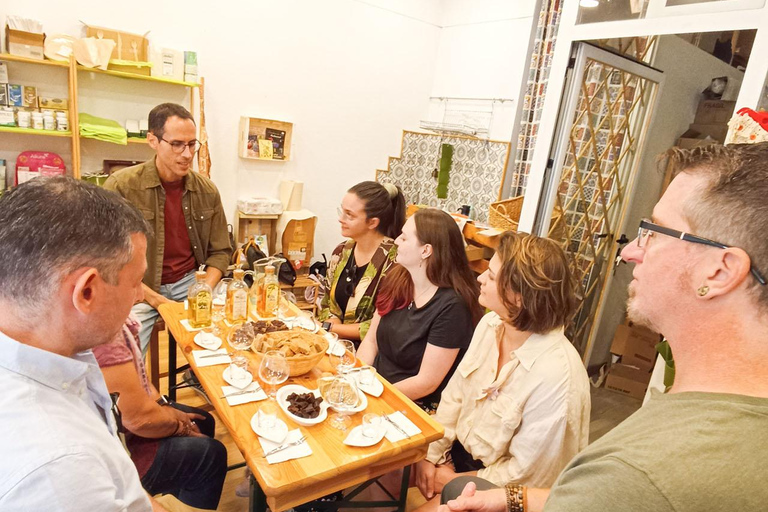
x=237 y=298
x=199 y=301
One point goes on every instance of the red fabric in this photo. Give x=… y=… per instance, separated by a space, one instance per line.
x=759 y=117
x=122 y=349
x=178 y=258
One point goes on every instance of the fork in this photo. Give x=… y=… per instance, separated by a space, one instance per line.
x=280 y=448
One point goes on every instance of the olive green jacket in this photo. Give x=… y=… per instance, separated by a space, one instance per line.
x=206 y=222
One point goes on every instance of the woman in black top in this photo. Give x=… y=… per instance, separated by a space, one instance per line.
x=426 y=309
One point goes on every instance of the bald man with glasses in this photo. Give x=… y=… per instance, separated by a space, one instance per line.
x=183 y=207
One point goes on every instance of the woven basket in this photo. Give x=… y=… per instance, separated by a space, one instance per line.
x=506 y=214
x=298 y=365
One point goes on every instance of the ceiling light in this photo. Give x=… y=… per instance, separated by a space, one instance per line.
x=589 y=3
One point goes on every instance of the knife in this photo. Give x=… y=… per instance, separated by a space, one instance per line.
x=398 y=427
x=223 y=354
x=242 y=392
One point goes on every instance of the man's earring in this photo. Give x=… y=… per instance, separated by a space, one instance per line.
x=703 y=290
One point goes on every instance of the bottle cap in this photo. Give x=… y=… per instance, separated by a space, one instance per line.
x=238 y=273
x=200 y=272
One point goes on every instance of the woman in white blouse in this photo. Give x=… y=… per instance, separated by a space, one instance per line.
x=517 y=408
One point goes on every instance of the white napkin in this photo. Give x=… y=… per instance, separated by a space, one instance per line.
x=393 y=434
x=258 y=394
x=292 y=452
x=188 y=327
x=222 y=357
x=334 y=347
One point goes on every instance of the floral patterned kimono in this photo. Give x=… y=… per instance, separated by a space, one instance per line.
x=361 y=305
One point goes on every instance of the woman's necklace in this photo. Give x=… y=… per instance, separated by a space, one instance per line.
x=410 y=306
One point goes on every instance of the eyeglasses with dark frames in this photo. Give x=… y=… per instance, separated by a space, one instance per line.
x=647 y=229
x=178 y=146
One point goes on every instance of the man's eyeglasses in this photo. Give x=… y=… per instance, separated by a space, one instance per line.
x=178 y=146
x=647 y=229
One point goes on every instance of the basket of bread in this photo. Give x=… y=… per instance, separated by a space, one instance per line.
x=302 y=349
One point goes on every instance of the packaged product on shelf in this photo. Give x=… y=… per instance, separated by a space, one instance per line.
x=3 y=95
x=29 y=97
x=49 y=122
x=52 y=103
x=23 y=174
x=132 y=127
x=24 y=118
x=3 y=73
x=62 y=120
x=2 y=175
x=190 y=67
x=143 y=127
x=15 y=96
x=260 y=205
x=37 y=121
x=7 y=116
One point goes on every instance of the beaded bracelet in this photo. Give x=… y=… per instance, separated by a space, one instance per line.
x=516 y=497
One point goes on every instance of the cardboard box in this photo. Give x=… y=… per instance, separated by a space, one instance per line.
x=127 y=46
x=53 y=103
x=24 y=44
x=29 y=98
x=15 y=95
x=636 y=345
x=3 y=95
x=701 y=131
x=7 y=117
x=714 y=112
x=627 y=380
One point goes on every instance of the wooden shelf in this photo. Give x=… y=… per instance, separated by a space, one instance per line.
x=258 y=215
x=254 y=128
x=133 y=76
x=30 y=131
x=27 y=60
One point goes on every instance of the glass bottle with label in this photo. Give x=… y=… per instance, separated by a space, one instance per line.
x=200 y=300
x=271 y=293
x=237 y=298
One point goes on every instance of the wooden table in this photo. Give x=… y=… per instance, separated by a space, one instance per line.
x=333 y=466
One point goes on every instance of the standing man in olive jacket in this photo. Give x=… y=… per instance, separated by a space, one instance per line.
x=183 y=207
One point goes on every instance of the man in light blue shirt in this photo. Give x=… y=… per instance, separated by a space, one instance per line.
x=73 y=257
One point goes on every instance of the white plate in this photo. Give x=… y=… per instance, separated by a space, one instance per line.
x=356 y=437
x=376 y=388
x=284 y=391
x=241 y=382
x=275 y=434
x=208 y=341
x=334 y=348
x=305 y=323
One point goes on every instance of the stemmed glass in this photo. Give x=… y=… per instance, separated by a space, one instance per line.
x=342 y=396
x=218 y=303
x=273 y=370
x=343 y=362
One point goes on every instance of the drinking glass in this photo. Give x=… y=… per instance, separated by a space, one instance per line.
x=241 y=336
x=217 y=306
x=346 y=361
x=284 y=310
x=372 y=424
x=273 y=370
x=342 y=396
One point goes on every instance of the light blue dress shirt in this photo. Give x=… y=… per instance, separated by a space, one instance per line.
x=58 y=449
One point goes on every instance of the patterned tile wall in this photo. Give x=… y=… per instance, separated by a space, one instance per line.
x=476 y=173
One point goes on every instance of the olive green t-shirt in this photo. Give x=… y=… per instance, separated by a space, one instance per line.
x=683 y=452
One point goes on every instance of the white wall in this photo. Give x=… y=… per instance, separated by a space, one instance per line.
x=481 y=54
x=687 y=72
x=349 y=74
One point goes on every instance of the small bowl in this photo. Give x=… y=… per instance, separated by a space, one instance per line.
x=284 y=391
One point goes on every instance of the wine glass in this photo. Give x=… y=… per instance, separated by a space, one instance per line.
x=217 y=307
x=273 y=370
x=240 y=338
x=343 y=362
x=342 y=396
x=284 y=310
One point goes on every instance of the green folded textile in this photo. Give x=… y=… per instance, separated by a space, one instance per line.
x=443 y=175
x=98 y=128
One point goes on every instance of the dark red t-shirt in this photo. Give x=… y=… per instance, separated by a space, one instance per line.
x=178 y=258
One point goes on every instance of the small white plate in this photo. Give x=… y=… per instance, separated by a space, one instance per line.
x=284 y=391
x=241 y=381
x=375 y=388
x=356 y=437
x=276 y=434
x=208 y=341
x=334 y=347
